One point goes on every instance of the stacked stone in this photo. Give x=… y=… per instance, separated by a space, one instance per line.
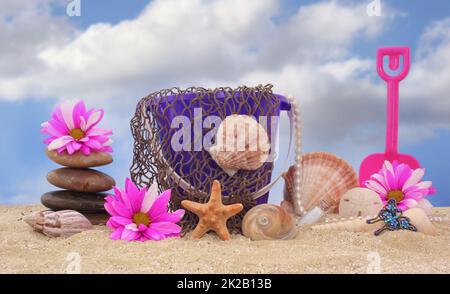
x=83 y=186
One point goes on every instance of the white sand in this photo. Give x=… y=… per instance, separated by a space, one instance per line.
x=25 y=251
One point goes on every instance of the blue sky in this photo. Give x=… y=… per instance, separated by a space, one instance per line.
x=31 y=90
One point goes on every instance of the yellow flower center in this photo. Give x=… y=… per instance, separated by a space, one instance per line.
x=141 y=218
x=396 y=194
x=77 y=134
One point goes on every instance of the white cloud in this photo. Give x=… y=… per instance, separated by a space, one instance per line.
x=178 y=42
x=428 y=86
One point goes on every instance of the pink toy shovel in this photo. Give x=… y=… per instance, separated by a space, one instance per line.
x=373 y=163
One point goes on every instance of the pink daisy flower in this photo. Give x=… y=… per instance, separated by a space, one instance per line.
x=141 y=215
x=72 y=128
x=400 y=182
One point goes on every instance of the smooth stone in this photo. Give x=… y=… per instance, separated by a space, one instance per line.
x=79 y=201
x=98 y=219
x=81 y=180
x=80 y=160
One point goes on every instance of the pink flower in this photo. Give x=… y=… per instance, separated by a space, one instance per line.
x=72 y=129
x=400 y=182
x=141 y=215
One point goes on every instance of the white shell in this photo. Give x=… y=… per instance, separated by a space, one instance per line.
x=325 y=178
x=269 y=222
x=241 y=144
x=421 y=221
x=359 y=202
x=61 y=223
x=425 y=205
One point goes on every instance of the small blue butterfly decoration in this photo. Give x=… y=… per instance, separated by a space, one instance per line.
x=392 y=218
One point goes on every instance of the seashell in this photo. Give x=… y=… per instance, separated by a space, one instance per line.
x=425 y=205
x=325 y=178
x=351 y=225
x=269 y=222
x=241 y=144
x=359 y=202
x=286 y=205
x=62 y=223
x=420 y=220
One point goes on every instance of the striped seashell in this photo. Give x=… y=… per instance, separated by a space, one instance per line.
x=325 y=178
x=61 y=223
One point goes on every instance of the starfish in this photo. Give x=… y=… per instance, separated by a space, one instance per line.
x=213 y=215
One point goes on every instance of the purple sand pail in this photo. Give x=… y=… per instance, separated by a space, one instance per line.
x=194 y=167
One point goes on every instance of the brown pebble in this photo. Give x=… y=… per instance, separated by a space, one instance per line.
x=98 y=219
x=79 y=160
x=79 y=201
x=82 y=180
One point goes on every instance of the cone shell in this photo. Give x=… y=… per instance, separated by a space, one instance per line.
x=241 y=144
x=425 y=205
x=61 y=223
x=420 y=220
x=325 y=177
x=269 y=222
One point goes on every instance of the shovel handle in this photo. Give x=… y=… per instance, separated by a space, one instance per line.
x=393 y=81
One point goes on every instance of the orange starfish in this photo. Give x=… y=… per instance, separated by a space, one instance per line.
x=213 y=215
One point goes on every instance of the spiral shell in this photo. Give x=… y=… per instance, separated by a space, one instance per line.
x=269 y=222
x=325 y=178
x=241 y=143
x=61 y=223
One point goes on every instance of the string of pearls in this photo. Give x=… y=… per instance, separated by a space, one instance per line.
x=298 y=133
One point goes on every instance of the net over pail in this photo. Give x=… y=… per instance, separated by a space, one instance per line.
x=170 y=128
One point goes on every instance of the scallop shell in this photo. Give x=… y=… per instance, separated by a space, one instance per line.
x=325 y=178
x=61 y=223
x=420 y=220
x=269 y=222
x=241 y=143
x=359 y=202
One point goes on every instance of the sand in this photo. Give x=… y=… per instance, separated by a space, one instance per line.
x=24 y=251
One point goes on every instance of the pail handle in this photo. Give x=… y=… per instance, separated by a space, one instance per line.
x=295 y=122
x=269 y=186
